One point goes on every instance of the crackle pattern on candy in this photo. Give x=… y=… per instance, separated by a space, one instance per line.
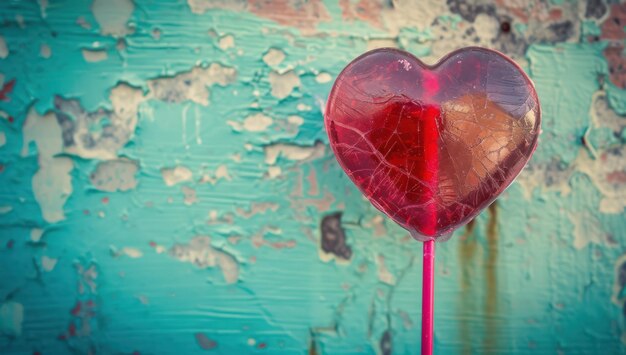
x=433 y=146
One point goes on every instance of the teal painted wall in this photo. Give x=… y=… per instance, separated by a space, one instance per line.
x=165 y=179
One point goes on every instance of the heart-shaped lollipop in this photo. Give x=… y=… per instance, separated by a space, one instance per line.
x=431 y=146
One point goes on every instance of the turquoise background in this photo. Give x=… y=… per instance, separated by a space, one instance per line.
x=165 y=171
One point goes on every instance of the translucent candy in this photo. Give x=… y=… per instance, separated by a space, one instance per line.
x=432 y=146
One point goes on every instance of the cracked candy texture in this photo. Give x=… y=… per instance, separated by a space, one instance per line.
x=432 y=146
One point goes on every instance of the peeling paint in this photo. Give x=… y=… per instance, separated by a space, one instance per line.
x=48 y=264
x=190 y=195
x=227 y=42
x=113 y=16
x=283 y=84
x=293 y=152
x=202 y=254
x=94 y=55
x=253 y=123
x=99 y=144
x=274 y=57
x=45 y=51
x=115 y=175
x=176 y=175
x=192 y=85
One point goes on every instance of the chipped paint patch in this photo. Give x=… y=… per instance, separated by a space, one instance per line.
x=48 y=263
x=94 y=55
x=36 y=234
x=588 y=230
x=253 y=123
x=323 y=78
x=226 y=42
x=283 y=84
x=191 y=85
x=190 y=195
x=45 y=51
x=176 y=175
x=274 y=57
x=384 y=275
x=52 y=186
x=202 y=254
x=52 y=183
x=293 y=152
x=115 y=175
x=221 y=173
x=113 y=16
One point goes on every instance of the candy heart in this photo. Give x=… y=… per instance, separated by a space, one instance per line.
x=431 y=146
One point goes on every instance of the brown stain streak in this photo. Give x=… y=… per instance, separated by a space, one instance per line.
x=467 y=252
x=491 y=279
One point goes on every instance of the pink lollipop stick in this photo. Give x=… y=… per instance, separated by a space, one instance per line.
x=428 y=297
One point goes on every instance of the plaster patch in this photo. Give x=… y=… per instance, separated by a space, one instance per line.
x=283 y=84
x=588 y=230
x=94 y=55
x=293 y=152
x=115 y=175
x=221 y=173
x=323 y=78
x=45 y=132
x=92 y=135
x=4 y=50
x=295 y=120
x=176 y=175
x=257 y=123
x=113 y=16
x=52 y=183
x=133 y=253
x=11 y=319
x=202 y=254
x=273 y=57
x=36 y=234
x=191 y=85
x=48 y=264
x=550 y=176
x=45 y=51
x=190 y=195
x=273 y=172
x=303 y=107
x=52 y=186
x=226 y=42
x=605 y=172
x=384 y=275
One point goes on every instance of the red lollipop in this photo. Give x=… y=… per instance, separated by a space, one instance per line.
x=432 y=146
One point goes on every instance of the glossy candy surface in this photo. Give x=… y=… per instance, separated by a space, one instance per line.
x=432 y=146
